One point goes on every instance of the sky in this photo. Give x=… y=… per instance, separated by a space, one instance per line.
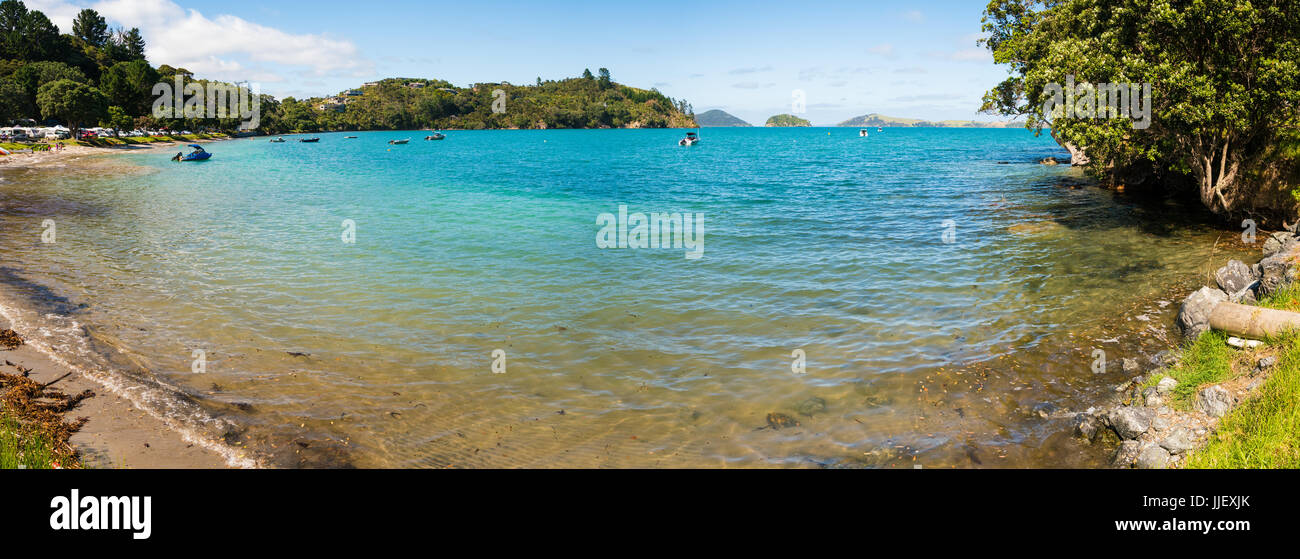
x=905 y=59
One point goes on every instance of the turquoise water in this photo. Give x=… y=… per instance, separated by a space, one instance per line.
x=380 y=352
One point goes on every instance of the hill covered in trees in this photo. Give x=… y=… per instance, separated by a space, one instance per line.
x=589 y=101
x=778 y=121
x=719 y=118
x=880 y=120
x=98 y=75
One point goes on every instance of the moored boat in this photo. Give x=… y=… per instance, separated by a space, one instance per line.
x=309 y=140
x=691 y=139
x=197 y=155
x=436 y=136
x=398 y=142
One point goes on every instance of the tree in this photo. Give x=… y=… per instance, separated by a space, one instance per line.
x=118 y=119
x=586 y=74
x=133 y=43
x=1226 y=89
x=26 y=34
x=603 y=78
x=91 y=28
x=129 y=85
x=14 y=103
x=73 y=103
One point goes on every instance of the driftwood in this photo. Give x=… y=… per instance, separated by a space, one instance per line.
x=1255 y=323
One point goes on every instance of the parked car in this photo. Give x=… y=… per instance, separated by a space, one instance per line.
x=89 y=135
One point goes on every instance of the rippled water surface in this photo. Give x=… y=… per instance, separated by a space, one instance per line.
x=379 y=353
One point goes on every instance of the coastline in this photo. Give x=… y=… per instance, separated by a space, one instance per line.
x=119 y=433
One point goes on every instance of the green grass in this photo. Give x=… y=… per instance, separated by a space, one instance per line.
x=1265 y=431
x=1208 y=360
x=22 y=446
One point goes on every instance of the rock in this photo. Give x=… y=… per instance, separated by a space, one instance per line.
x=1049 y=161
x=1266 y=363
x=1194 y=317
x=1235 y=277
x=1126 y=454
x=1178 y=442
x=1152 y=457
x=811 y=407
x=1087 y=426
x=1278 y=242
x=1130 y=366
x=1160 y=423
x=1166 y=385
x=1165 y=358
x=1273 y=273
x=1152 y=397
x=1213 y=401
x=1129 y=422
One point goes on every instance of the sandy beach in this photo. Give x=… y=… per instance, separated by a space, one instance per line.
x=118 y=433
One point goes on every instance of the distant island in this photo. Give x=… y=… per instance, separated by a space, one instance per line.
x=589 y=101
x=786 y=121
x=719 y=119
x=879 y=120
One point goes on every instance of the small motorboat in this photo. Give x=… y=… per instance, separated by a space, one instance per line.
x=691 y=139
x=309 y=140
x=436 y=136
x=862 y=133
x=197 y=155
x=879 y=129
x=278 y=141
x=399 y=142
x=349 y=137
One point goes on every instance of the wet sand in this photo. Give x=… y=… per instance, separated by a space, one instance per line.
x=118 y=435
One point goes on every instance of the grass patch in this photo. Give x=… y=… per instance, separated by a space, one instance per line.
x=1208 y=360
x=25 y=446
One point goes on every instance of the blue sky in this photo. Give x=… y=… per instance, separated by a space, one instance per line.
x=909 y=59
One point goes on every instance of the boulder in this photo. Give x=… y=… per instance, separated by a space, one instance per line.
x=1266 y=363
x=1129 y=422
x=1178 y=442
x=1126 y=454
x=1166 y=385
x=1152 y=457
x=1129 y=366
x=1274 y=272
x=1279 y=242
x=1049 y=161
x=1153 y=397
x=1087 y=425
x=1213 y=401
x=1194 y=317
x=1235 y=277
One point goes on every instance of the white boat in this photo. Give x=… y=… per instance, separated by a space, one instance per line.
x=862 y=133
x=690 y=139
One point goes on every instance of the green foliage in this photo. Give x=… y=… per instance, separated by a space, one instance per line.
x=1225 y=77
x=787 y=120
x=72 y=102
x=572 y=103
x=91 y=28
x=130 y=85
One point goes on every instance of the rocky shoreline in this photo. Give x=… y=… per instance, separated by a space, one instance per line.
x=1150 y=433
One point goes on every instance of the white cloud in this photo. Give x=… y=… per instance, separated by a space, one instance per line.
x=972 y=55
x=914 y=16
x=883 y=50
x=221 y=46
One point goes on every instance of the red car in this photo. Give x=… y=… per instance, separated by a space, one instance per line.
x=87 y=135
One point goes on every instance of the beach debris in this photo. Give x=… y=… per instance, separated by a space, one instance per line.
x=298 y=354
x=1240 y=343
x=10 y=339
x=39 y=410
